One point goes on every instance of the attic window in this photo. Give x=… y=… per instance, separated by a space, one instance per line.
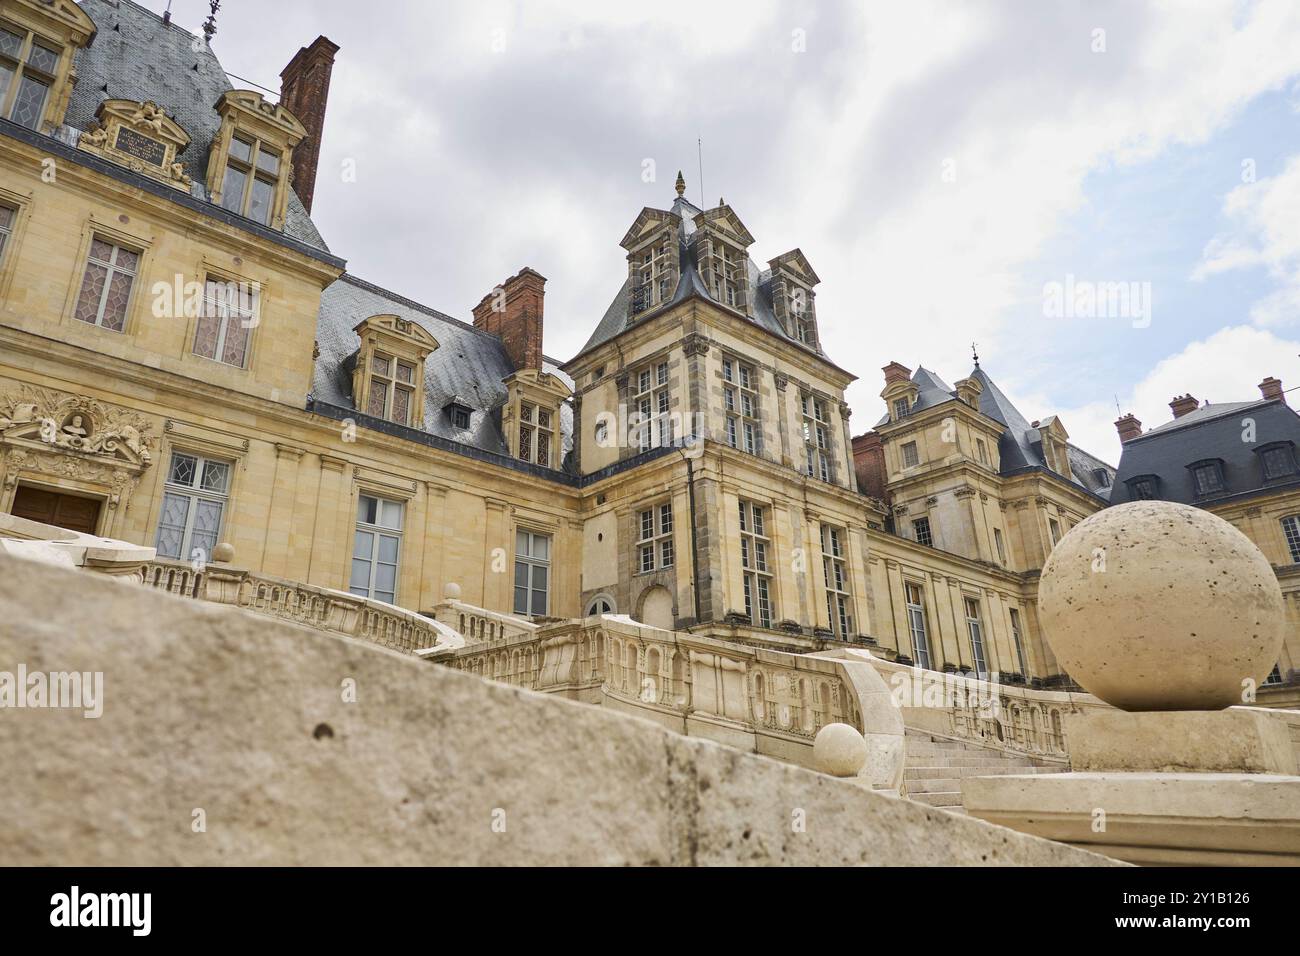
x=1277 y=460
x=458 y=415
x=28 y=69
x=1207 y=477
x=252 y=173
x=1102 y=477
x=1143 y=487
x=901 y=407
x=248 y=168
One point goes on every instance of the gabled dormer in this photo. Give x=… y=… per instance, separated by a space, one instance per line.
x=1055 y=446
x=793 y=299
x=721 y=243
x=388 y=378
x=900 y=392
x=531 y=418
x=38 y=40
x=652 y=260
x=140 y=136
x=249 y=168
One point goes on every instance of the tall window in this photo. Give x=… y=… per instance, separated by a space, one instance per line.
x=1019 y=641
x=1002 y=548
x=911 y=458
x=1291 y=531
x=7 y=217
x=653 y=401
x=252 y=172
x=392 y=388
x=816 y=437
x=755 y=567
x=28 y=65
x=837 y=581
x=921 y=532
x=1054 y=528
x=377 y=549
x=976 y=631
x=106 y=285
x=536 y=432
x=655 y=541
x=981 y=451
x=194 y=501
x=740 y=399
x=916 y=625
x=532 y=573
x=227 y=320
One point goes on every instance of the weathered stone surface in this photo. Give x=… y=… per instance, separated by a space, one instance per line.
x=210 y=708
x=1228 y=741
x=1162 y=819
x=1153 y=605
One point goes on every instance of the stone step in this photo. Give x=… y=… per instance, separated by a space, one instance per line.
x=948 y=798
x=939 y=760
x=930 y=772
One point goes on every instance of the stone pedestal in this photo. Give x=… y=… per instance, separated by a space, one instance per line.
x=1192 y=788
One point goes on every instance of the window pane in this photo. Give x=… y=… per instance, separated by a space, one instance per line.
x=232 y=192
x=367 y=508
x=521 y=542
x=359 y=583
x=240 y=149
x=390 y=515
x=405 y=373
x=206 y=333
x=235 y=349
x=385 y=576
x=541 y=547
x=10 y=43
x=30 y=102
x=171 y=525
x=207 y=525
x=119 y=294
x=401 y=406
x=388 y=548
x=43 y=58
x=268 y=162
x=216 y=475
x=379 y=364
x=521 y=600
x=92 y=290
x=259 y=204
x=184 y=468
x=378 y=401
x=125 y=259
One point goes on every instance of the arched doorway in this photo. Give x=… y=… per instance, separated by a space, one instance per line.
x=657 y=608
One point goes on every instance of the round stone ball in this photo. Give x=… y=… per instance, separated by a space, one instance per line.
x=452 y=591
x=839 y=750
x=224 y=553
x=1153 y=605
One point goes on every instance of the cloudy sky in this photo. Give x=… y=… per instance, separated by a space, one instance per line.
x=945 y=167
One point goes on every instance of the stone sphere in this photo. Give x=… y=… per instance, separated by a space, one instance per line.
x=223 y=553
x=452 y=591
x=1153 y=605
x=839 y=750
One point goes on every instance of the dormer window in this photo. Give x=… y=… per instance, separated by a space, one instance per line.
x=252 y=172
x=1144 y=488
x=37 y=41
x=29 y=66
x=248 y=169
x=1277 y=461
x=1102 y=477
x=901 y=407
x=458 y=415
x=652 y=260
x=536 y=434
x=388 y=381
x=1207 y=477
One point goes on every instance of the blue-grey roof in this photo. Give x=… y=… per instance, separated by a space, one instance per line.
x=136 y=56
x=468 y=367
x=1020 y=447
x=1210 y=432
x=689 y=283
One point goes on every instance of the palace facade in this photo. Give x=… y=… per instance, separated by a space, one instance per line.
x=185 y=363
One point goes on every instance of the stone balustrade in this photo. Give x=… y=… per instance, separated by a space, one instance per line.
x=753 y=699
x=479 y=625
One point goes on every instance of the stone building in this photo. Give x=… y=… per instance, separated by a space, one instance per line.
x=162 y=381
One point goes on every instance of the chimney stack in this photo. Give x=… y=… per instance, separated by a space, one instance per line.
x=896 y=372
x=1182 y=404
x=1271 y=389
x=513 y=312
x=304 y=91
x=1128 y=427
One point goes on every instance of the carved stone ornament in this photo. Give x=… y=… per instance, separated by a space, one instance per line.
x=45 y=420
x=141 y=137
x=695 y=344
x=781 y=382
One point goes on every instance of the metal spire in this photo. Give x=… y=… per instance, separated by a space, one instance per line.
x=975 y=354
x=210 y=24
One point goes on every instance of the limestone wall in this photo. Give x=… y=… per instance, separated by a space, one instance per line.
x=244 y=723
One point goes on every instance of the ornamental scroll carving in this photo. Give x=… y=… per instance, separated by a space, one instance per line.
x=56 y=434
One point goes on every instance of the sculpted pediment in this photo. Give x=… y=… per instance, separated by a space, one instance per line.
x=49 y=421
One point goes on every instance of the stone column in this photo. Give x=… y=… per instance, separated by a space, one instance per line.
x=279 y=522
x=431 y=564
x=328 y=547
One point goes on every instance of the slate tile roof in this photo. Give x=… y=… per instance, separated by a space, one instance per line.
x=1211 y=432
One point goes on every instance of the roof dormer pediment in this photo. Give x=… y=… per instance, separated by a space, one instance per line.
x=795 y=263
x=649 y=223
x=722 y=220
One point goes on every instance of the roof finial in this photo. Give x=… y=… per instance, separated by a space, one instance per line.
x=210 y=24
x=681 y=184
x=975 y=354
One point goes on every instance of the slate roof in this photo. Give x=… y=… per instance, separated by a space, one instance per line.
x=1212 y=431
x=1020 y=447
x=689 y=283
x=468 y=367
x=136 y=56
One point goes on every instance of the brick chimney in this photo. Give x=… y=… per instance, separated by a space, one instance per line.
x=513 y=312
x=1182 y=404
x=869 y=464
x=894 y=372
x=1128 y=427
x=1271 y=389
x=304 y=91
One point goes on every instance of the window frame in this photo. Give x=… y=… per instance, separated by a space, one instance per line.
x=917 y=625
x=975 y=633
x=531 y=564
x=918 y=524
x=744 y=422
x=1287 y=450
x=21 y=65
x=252 y=172
x=652 y=399
x=1138 y=483
x=1212 y=467
x=253 y=318
x=659 y=543
x=536 y=433
x=905 y=454
x=378 y=531
x=756 y=550
x=1291 y=535
x=1017 y=637
x=837 y=580
x=818 y=445
x=194 y=492
x=88 y=259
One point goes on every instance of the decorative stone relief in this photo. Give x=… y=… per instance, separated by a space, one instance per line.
x=108 y=434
